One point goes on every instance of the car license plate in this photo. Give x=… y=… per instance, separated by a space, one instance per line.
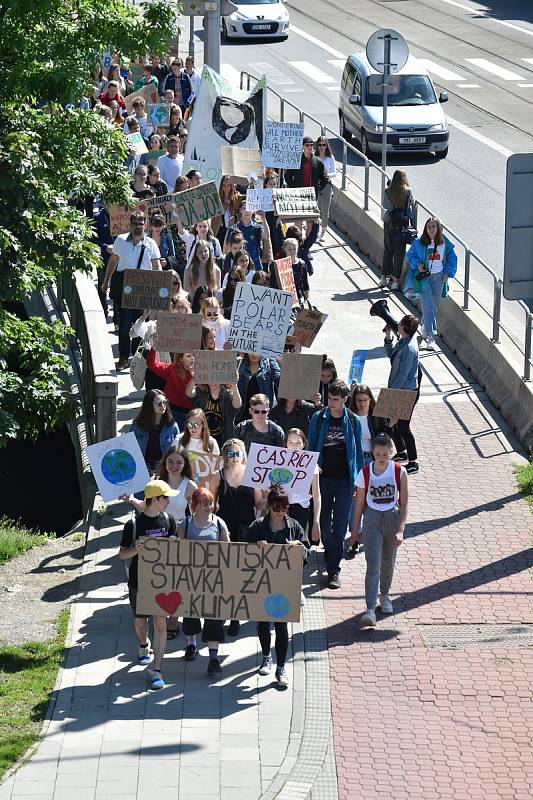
x=412 y=139
x=261 y=27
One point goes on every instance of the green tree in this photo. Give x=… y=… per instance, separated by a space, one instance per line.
x=50 y=155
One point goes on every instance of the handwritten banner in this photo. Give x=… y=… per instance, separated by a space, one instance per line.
x=296 y=203
x=260 y=319
x=118 y=466
x=178 y=333
x=285 y=276
x=307 y=325
x=162 y=204
x=259 y=200
x=147 y=288
x=282 y=144
x=195 y=205
x=220 y=580
x=215 y=366
x=293 y=469
x=204 y=465
x=119 y=217
x=395 y=403
x=239 y=162
x=356 y=366
x=300 y=375
x=159 y=115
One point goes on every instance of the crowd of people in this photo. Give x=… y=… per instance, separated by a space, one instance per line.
x=360 y=485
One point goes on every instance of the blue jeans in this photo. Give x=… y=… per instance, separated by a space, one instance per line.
x=334 y=519
x=429 y=301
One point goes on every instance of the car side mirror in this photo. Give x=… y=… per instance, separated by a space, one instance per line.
x=443 y=97
x=355 y=100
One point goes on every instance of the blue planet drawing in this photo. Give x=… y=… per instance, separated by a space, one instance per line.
x=163 y=292
x=118 y=467
x=280 y=475
x=277 y=605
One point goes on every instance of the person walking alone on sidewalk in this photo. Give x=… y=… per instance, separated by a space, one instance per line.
x=398 y=220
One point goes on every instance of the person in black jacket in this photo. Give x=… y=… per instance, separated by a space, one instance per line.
x=276 y=527
x=311 y=172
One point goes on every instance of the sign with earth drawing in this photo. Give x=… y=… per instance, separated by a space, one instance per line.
x=292 y=469
x=118 y=466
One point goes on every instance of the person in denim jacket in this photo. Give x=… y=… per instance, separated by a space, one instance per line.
x=257 y=375
x=154 y=428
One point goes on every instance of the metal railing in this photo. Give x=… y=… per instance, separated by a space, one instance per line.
x=469 y=254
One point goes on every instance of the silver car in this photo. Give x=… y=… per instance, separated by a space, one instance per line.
x=259 y=18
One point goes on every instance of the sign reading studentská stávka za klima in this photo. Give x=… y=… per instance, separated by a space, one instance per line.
x=220 y=580
x=260 y=319
x=147 y=288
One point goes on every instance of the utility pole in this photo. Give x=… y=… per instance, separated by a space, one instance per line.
x=212 y=34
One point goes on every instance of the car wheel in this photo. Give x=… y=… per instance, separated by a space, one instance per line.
x=441 y=154
x=364 y=145
x=345 y=133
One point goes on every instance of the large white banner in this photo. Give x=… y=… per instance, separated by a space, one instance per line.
x=223 y=115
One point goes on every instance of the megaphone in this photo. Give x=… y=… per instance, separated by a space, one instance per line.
x=381 y=309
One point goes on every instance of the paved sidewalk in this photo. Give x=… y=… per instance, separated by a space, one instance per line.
x=407 y=711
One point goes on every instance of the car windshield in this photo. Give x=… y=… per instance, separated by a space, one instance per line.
x=407 y=90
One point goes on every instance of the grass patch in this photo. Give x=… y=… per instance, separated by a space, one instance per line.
x=27 y=676
x=15 y=539
x=524 y=478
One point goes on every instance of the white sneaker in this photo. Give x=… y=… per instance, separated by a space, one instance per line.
x=386 y=605
x=394 y=286
x=423 y=332
x=368 y=620
x=266 y=666
x=383 y=282
x=145 y=654
x=430 y=345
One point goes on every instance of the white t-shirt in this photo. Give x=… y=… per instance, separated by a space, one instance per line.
x=178 y=503
x=170 y=169
x=197 y=445
x=382 y=494
x=303 y=500
x=366 y=436
x=128 y=253
x=435 y=258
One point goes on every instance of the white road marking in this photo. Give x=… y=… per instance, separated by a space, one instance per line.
x=524 y=85
x=337 y=62
x=441 y=72
x=332 y=88
x=495 y=69
x=273 y=74
x=527 y=60
x=293 y=90
x=479 y=12
x=480 y=138
x=312 y=71
x=231 y=74
x=326 y=47
x=469 y=86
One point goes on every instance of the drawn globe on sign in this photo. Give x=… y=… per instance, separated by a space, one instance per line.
x=280 y=475
x=163 y=292
x=277 y=605
x=127 y=290
x=118 y=467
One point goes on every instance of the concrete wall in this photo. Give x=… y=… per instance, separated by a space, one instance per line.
x=495 y=366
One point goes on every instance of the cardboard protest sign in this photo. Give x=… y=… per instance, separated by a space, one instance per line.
x=118 y=466
x=282 y=144
x=163 y=204
x=147 y=288
x=285 y=276
x=259 y=200
x=260 y=319
x=119 y=217
x=149 y=94
x=204 y=465
x=153 y=155
x=215 y=366
x=292 y=469
x=239 y=162
x=300 y=375
x=223 y=115
x=296 y=203
x=106 y=59
x=356 y=366
x=307 y=325
x=136 y=143
x=220 y=580
x=159 y=114
x=178 y=333
x=197 y=204
x=395 y=403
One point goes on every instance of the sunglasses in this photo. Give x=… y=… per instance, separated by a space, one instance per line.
x=233 y=453
x=161 y=402
x=175 y=283
x=193 y=426
x=262 y=411
x=211 y=314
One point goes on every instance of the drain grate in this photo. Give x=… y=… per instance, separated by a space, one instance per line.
x=460 y=637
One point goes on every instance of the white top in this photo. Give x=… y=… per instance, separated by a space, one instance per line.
x=128 y=253
x=197 y=445
x=302 y=499
x=248 y=278
x=221 y=327
x=435 y=259
x=145 y=330
x=329 y=166
x=144 y=125
x=178 y=503
x=190 y=240
x=366 y=436
x=195 y=80
x=382 y=492
x=170 y=169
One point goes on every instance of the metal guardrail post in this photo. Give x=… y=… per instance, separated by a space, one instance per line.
x=527 y=347
x=282 y=110
x=344 y=164
x=466 y=288
x=367 y=184
x=302 y=116
x=248 y=83
x=240 y=80
x=497 y=308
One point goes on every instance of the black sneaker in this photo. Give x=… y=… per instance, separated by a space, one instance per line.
x=334 y=581
x=411 y=467
x=214 y=666
x=351 y=551
x=191 y=652
x=400 y=456
x=233 y=627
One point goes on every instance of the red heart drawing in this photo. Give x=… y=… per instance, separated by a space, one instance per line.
x=168 y=602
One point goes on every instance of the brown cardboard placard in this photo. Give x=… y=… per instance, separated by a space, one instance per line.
x=215 y=366
x=149 y=93
x=178 y=333
x=147 y=288
x=204 y=465
x=239 y=162
x=285 y=276
x=119 y=217
x=300 y=375
x=307 y=325
x=163 y=204
x=395 y=403
x=201 y=202
x=231 y=580
x=300 y=203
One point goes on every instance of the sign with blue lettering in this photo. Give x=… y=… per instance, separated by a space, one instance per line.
x=260 y=320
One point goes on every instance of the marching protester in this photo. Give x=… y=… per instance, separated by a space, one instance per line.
x=398 y=221
x=170 y=164
x=220 y=404
x=299 y=270
x=177 y=376
x=257 y=375
x=300 y=504
x=154 y=428
x=323 y=152
x=381 y=502
x=201 y=270
x=327 y=376
x=259 y=429
x=213 y=318
x=362 y=403
x=288 y=413
x=196 y=438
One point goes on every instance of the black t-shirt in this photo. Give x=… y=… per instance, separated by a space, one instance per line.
x=213 y=415
x=334 y=457
x=236 y=506
x=156 y=527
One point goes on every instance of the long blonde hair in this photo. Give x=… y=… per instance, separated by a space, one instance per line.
x=398 y=189
x=210 y=274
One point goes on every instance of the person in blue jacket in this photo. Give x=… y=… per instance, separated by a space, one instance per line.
x=335 y=433
x=432 y=262
x=257 y=375
x=154 y=428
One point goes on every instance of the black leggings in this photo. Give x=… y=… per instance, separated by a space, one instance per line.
x=403 y=438
x=282 y=640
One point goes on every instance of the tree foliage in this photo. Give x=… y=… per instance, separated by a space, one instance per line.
x=49 y=156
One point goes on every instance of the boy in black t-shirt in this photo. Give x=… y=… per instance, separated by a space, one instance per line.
x=153 y=522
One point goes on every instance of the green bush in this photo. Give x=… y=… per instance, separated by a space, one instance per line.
x=15 y=539
x=524 y=477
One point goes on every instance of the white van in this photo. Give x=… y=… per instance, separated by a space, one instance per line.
x=416 y=122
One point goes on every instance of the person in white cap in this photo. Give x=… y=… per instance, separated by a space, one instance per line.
x=152 y=523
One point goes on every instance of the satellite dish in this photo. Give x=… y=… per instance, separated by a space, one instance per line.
x=375 y=50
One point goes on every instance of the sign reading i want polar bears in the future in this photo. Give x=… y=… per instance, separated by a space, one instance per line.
x=260 y=319
x=220 y=580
